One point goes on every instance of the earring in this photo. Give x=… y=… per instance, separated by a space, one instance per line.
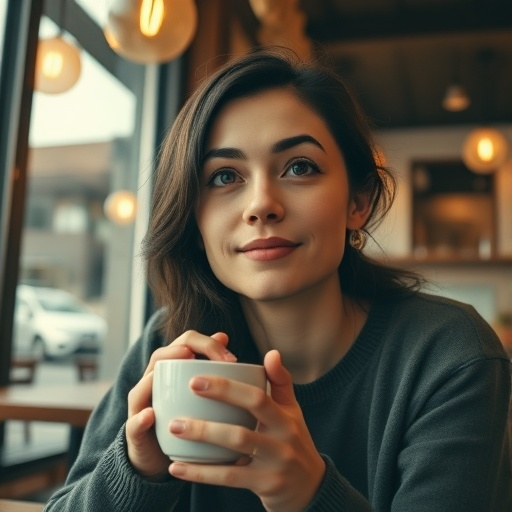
x=357 y=239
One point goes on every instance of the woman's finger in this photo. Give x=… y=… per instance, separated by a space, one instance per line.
x=139 y=396
x=233 y=476
x=143 y=450
x=191 y=343
x=281 y=383
x=240 y=394
x=138 y=424
x=169 y=352
x=234 y=437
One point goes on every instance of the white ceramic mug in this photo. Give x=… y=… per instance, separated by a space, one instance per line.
x=173 y=398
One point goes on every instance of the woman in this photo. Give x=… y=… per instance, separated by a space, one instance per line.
x=382 y=397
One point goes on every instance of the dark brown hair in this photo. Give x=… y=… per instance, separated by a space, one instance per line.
x=178 y=271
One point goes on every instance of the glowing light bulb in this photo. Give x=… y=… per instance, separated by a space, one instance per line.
x=456 y=98
x=485 y=149
x=151 y=17
x=121 y=207
x=58 y=65
x=125 y=208
x=53 y=63
x=150 y=31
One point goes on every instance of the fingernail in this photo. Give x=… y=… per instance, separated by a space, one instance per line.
x=228 y=356
x=177 y=426
x=199 y=384
x=177 y=469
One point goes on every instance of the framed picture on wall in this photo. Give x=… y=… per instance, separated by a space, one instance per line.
x=454 y=213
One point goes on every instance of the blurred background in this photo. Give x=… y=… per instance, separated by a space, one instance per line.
x=89 y=87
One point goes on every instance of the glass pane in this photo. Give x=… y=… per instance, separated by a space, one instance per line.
x=83 y=146
x=96 y=9
x=73 y=295
x=97 y=108
x=3 y=14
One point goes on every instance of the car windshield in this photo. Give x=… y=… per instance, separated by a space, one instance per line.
x=59 y=302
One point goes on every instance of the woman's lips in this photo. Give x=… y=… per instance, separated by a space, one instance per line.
x=268 y=249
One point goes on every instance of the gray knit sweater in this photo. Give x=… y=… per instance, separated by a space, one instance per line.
x=412 y=419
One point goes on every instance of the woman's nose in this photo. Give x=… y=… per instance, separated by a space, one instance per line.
x=263 y=203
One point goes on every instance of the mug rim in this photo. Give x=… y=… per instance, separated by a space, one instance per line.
x=202 y=362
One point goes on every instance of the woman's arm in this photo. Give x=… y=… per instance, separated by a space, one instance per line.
x=102 y=477
x=335 y=493
x=455 y=455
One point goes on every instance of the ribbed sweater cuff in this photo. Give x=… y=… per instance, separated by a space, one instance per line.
x=128 y=490
x=336 y=494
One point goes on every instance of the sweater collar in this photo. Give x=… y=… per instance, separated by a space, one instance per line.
x=338 y=377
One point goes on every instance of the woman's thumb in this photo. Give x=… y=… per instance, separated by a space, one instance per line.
x=281 y=384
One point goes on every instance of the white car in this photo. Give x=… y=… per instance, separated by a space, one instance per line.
x=49 y=322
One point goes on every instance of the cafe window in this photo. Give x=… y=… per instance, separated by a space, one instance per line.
x=84 y=144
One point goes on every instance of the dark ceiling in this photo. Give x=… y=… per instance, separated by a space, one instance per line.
x=399 y=56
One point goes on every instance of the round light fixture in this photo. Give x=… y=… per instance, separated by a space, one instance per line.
x=150 y=31
x=58 y=65
x=456 y=98
x=121 y=207
x=484 y=150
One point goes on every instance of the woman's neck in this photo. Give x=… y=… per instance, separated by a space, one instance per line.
x=312 y=330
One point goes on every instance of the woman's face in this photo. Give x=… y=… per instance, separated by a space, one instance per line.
x=274 y=202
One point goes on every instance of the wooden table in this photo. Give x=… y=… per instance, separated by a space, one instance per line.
x=20 y=506
x=70 y=403
x=63 y=403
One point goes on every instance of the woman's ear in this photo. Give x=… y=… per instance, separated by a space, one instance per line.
x=359 y=209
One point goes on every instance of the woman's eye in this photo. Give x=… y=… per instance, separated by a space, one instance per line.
x=222 y=178
x=301 y=168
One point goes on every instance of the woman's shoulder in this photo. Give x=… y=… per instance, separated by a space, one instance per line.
x=154 y=324
x=435 y=320
x=431 y=303
x=149 y=340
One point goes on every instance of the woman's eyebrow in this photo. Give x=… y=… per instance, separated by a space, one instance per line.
x=291 y=142
x=279 y=146
x=225 y=153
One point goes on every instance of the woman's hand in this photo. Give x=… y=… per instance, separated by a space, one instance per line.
x=281 y=466
x=143 y=450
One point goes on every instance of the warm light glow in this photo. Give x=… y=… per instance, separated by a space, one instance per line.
x=58 y=65
x=151 y=17
x=456 y=99
x=125 y=208
x=121 y=207
x=111 y=40
x=485 y=150
x=52 y=64
x=150 y=31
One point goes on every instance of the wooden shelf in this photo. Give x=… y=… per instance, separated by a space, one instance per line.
x=448 y=261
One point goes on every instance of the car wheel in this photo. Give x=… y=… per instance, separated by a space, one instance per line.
x=38 y=348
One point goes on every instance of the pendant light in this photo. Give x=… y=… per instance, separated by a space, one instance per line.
x=456 y=98
x=58 y=62
x=121 y=207
x=150 y=31
x=485 y=148
x=282 y=23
